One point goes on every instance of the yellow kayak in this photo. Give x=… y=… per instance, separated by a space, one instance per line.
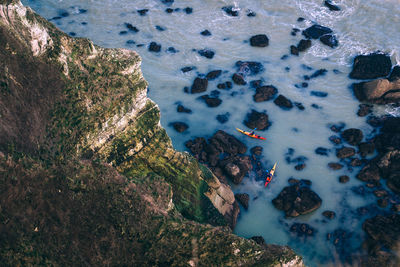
x=251 y=135
x=269 y=177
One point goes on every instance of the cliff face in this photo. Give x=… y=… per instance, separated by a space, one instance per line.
x=77 y=127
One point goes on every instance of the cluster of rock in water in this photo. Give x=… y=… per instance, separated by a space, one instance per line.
x=225 y=155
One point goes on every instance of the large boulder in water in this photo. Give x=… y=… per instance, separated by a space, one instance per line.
x=371 y=66
x=259 y=40
x=353 y=136
x=296 y=200
x=257 y=120
x=199 y=85
x=316 y=31
x=380 y=91
x=265 y=93
x=283 y=102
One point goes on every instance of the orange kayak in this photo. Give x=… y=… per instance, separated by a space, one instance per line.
x=251 y=135
x=271 y=173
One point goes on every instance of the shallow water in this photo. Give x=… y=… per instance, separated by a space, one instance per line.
x=361 y=27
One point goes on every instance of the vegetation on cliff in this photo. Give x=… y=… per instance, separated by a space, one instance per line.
x=88 y=175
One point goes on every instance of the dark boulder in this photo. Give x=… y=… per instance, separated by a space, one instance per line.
x=321 y=151
x=182 y=109
x=236 y=167
x=188 y=10
x=223 y=118
x=212 y=75
x=154 y=47
x=331 y=6
x=316 y=31
x=211 y=102
x=352 y=136
x=207 y=53
x=329 y=214
x=249 y=68
x=205 y=33
x=265 y=93
x=337 y=127
x=243 y=199
x=226 y=85
x=297 y=199
x=366 y=148
x=238 y=79
x=302 y=229
x=199 y=85
x=142 y=12
x=179 y=126
x=318 y=94
x=345 y=152
x=257 y=150
x=294 y=50
x=259 y=40
x=364 y=110
x=394 y=74
x=344 y=179
x=335 y=166
x=230 y=10
x=187 y=69
x=369 y=173
x=283 y=102
x=303 y=45
x=371 y=66
x=257 y=120
x=329 y=40
x=335 y=139
x=317 y=73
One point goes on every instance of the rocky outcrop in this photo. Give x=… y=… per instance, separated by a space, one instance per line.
x=371 y=66
x=87 y=168
x=380 y=91
x=297 y=199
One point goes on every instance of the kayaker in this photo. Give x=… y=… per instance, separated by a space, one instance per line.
x=252 y=132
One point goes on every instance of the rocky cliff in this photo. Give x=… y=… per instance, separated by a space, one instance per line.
x=88 y=175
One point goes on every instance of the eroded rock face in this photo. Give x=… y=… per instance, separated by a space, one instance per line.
x=380 y=91
x=297 y=199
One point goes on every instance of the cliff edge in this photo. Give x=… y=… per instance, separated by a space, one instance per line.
x=88 y=175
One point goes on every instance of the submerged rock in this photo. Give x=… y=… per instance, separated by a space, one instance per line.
x=283 y=102
x=329 y=40
x=212 y=75
x=179 y=126
x=302 y=229
x=352 y=136
x=329 y=214
x=364 y=110
x=182 y=109
x=344 y=179
x=230 y=10
x=249 y=68
x=257 y=120
x=154 y=47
